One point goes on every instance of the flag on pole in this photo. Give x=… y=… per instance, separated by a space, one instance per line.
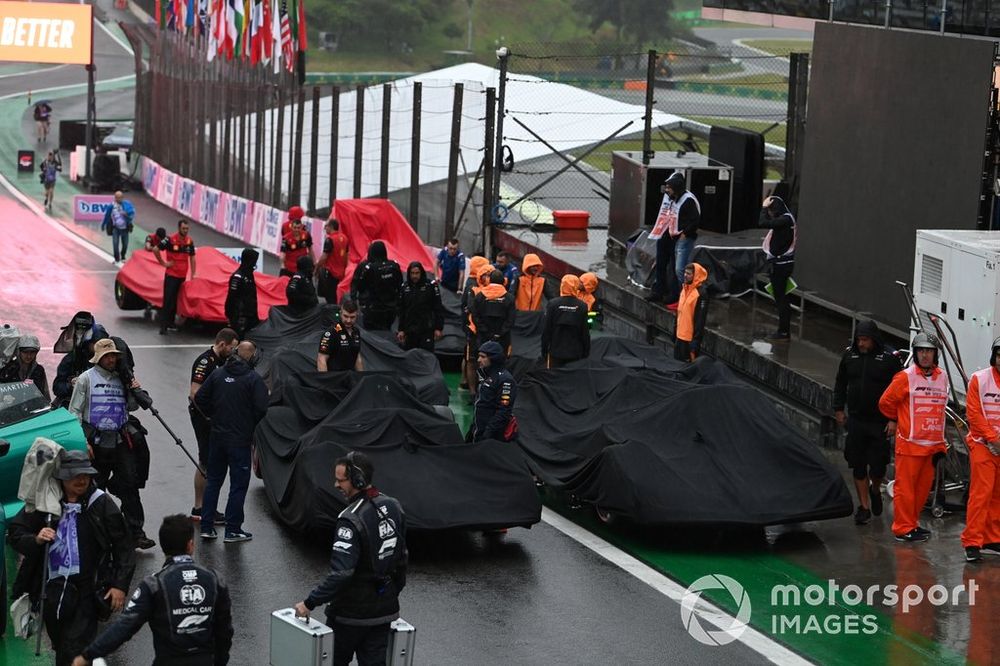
x=257 y=20
x=276 y=36
x=303 y=41
x=266 y=34
x=287 y=45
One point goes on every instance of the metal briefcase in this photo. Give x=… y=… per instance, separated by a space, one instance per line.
x=298 y=642
x=402 y=639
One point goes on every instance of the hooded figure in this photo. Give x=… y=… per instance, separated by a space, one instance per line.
x=566 y=335
x=865 y=372
x=779 y=246
x=530 y=284
x=421 y=315
x=494 y=410
x=692 y=312
x=476 y=265
x=300 y=291
x=678 y=222
x=241 y=298
x=77 y=361
x=492 y=312
x=24 y=366
x=375 y=287
x=588 y=286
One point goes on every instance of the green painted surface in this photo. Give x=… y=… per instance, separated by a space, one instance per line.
x=459 y=401
x=18 y=651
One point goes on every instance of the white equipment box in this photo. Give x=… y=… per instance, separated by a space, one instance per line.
x=956 y=275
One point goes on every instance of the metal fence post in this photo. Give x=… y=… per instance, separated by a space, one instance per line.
x=296 y=195
x=334 y=142
x=314 y=151
x=415 y=155
x=798 y=87
x=488 y=165
x=453 y=153
x=647 y=129
x=359 y=131
x=383 y=172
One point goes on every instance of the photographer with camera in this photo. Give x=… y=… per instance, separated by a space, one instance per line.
x=102 y=398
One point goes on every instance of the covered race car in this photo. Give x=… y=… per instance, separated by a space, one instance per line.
x=140 y=282
x=687 y=444
x=419 y=454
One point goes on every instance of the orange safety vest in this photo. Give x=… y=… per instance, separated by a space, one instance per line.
x=928 y=399
x=988 y=395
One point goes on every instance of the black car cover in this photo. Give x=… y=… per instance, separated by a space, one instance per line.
x=690 y=445
x=285 y=331
x=419 y=453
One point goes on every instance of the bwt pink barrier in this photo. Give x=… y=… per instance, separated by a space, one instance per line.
x=91 y=207
x=250 y=222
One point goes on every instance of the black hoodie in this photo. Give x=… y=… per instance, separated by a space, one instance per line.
x=420 y=311
x=377 y=280
x=241 y=299
x=234 y=397
x=780 y=242
x=689 y=214
x=863 y=378
x=300 y=292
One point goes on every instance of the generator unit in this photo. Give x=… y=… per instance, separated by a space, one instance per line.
x=956 y=275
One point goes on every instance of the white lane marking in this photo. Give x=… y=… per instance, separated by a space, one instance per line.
x=191 y=346
x=32 y=71
x=753 y=639
x=114 y=37
x=64 y=271
x=82 y=86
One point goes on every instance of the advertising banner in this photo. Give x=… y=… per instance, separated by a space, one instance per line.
x=91 y=207
x=46 y=32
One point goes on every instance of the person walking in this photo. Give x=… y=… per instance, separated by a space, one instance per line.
x=180 y=254
x=451 y=267
x=340 y=346
x=332 y=264
x=982 y=407
x=494 y=410
x=50 y=168
x=119 y=221
x=865 y=372
x=375 y=287
x=421 y=315
x=779 y=246
x=241 y=297
x=234 y=397
x=201 y=635
x=367 y=567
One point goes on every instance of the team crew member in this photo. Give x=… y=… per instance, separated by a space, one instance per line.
x=225 y=342
x=982 y=408
x=494 y=415
x=187 y=607
x=421 y=315
x=24 y=366
x=367 y=567
x=300 y=291
x=915 y=405
x=505 y=264
x=102 y=403
x=294 y=213
x=340 y=346
x=680 y=212
x=234 y=397
x=530 y=288
x=154 y=239
x=241 y=297
x=375 y=287
x=866 y=370
x=296 y=243
x=90 y=562
x=333 y=262
x=492 y=312
x=451 y=267
x=179 y=249
x=565 y=335
x=692 y=313
x=779 y=246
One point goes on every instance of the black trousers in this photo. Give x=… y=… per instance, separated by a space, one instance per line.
x=377 y=319
x=116 y=473
x=682 y=350
x=779 y=280
x=368 y=643
x=328 y=286
x=665 y=283
x=70 y=617
x=202 y=429
x=171 y=290
x=419 y=340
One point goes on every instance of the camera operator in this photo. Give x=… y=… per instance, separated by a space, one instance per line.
x=79 y=336
x=102 y=398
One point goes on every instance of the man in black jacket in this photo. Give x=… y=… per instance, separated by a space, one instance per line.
x=187 y=607
x=234 y=397
x=492 y=311
x=367 y=567
x=375 y=287
x=91 y=558
x=566 y=334
x=421 y=315
x=241 y=298
x=80 y=335
x=866 y=370
x=494 y=413
x=779 y=246
x=300 y=291
x=677 y=224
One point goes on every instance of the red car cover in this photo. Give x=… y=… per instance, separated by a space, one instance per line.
x=203 y=298
x=366 y=220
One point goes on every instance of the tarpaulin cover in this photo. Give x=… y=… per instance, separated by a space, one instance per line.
x=367 y=220
x=419 y=454
x=666 y=450
x=203 y=298
x=286 y=330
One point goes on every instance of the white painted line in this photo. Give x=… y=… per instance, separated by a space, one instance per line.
x=115 y=37
x=82 y=86
x=753 y=639
x=190 y=346
x=32 y=71
x=64 y=271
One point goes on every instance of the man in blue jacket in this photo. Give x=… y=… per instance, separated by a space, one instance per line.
x=118 y=221
x=234 y=397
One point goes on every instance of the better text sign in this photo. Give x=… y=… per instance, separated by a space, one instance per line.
x=46 y=32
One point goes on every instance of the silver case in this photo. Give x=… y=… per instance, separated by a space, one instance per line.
x=402 y=640
x=295 y=642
